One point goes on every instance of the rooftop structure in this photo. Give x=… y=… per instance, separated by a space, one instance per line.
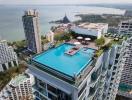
x=19 y=88
x=91 y=29
x=8 y=57
x=32 y=33
x=96 y=26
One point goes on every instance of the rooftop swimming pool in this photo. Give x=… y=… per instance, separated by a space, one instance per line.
x=57 y=60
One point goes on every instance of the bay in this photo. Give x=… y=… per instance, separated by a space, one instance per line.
x=11 y=27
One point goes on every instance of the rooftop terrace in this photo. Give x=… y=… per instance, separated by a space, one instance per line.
x=58 y=62
x=18 y=79
x=96 y=26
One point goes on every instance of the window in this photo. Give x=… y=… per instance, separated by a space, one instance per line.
x=15 y=63
x=9 y=63
x=52 y=89
x=42 y=84
x=4 y=67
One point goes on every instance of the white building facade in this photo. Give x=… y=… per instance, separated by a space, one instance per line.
x=19 y=88
x=50 y=36
x=91 y=29
x=8 y=57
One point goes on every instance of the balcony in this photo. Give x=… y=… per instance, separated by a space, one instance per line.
x=103 y=97
x=108 y=76
x=100 y=91
x=117 y=56
x=110 y=66
x=104 y=71
x=102 y=79
x=101 y=84
x=94 y=78
x=40 y=90
x=116 y=61
x=91 y=92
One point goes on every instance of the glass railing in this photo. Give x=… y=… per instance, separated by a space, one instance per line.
x=95 y=75
x=40 y=90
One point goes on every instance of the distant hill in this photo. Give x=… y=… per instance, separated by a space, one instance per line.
x=118 y=6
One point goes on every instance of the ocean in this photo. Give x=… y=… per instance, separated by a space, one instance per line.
x=11 y=27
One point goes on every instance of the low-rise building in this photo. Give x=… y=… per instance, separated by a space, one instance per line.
x=50 y=36
x=93 y=30
x=8 y=57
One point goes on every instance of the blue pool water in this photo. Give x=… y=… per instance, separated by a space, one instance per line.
x=70 y=65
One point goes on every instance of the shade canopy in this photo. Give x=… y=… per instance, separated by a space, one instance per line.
x=77 y=43
x=87 y=39
x=80 y=37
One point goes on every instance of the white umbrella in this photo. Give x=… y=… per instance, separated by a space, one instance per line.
x=79 y=37
x=87 y=39
x=77 y=43
x=116 y=39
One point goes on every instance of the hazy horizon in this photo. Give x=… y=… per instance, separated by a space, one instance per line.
x=62 y=2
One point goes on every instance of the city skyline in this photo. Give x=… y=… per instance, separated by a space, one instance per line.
x=63 y=2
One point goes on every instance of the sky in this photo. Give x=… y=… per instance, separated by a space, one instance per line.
x=62 y=1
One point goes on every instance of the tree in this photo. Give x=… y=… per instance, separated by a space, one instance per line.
x=44 y=41
x=43 y=37
x=100 y=42
x=62 y=36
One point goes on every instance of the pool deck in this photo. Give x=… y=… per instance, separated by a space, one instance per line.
x=89 y=45
x=63 y=65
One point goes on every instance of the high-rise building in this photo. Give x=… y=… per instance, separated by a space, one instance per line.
x=125 y=87
x=8 y=57
x=125 y=27
x=69 y=73
x=18 y=88
x=31 y=27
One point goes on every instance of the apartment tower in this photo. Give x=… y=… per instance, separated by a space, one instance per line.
x=125 y=87
x=32 y=33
